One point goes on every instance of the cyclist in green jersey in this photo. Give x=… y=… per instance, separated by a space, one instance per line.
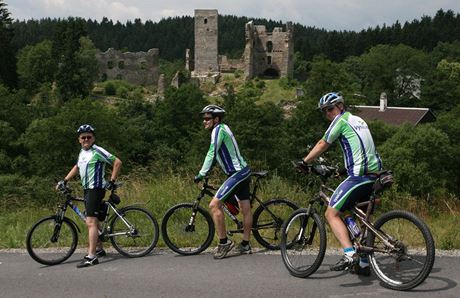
x=91 y=167
x=225 y=151
x=361 y=161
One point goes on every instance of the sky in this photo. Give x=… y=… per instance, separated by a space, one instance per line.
x=328 y=14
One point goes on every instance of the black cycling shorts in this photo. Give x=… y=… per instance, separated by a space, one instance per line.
x=93 y=200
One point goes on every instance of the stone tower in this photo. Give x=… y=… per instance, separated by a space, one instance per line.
x=206 y=46
x=268 y=53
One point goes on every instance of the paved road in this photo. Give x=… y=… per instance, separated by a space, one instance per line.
x=170 y=275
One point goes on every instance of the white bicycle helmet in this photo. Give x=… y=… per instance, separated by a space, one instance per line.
x=329 y=100
x=214 y=110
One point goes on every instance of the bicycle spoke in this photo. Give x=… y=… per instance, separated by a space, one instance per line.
x=138 y=237
x=49 y=244
x=268 y=220
x=409 y=260
x=303 y=243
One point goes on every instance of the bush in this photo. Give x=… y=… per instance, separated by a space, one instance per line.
x=110 y=88
x=260 y=84
x=122 y=92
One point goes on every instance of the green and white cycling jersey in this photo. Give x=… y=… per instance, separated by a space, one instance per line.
x=360 y=155
x=225 y=150
x=91 y=165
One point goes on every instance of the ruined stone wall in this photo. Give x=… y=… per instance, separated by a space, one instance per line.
x=268 y=53
x=230 y=65
x=206 y=38
x=140 y=68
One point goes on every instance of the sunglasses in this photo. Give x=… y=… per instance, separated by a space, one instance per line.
x=86 y=137
x=327 y=110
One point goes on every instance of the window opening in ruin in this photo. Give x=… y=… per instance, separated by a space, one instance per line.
x=269 y=46
x=121 y=64
x=109 y=64
x=143 y=64
x=205 y=21
x=104 y=77
x=269 y=60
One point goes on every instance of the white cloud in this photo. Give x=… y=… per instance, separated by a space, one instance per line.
x=329 y=14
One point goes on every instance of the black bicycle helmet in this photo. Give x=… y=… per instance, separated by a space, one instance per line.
x=85 y=128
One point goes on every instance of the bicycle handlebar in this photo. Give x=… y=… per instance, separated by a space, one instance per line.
x=322 y=170
x=66 y=190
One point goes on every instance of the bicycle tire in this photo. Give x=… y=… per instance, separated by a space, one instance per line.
x=182 y=238
x=300 y=257
x=267 y=228
x=43 y=249
x=396 y=269
x=138 y=242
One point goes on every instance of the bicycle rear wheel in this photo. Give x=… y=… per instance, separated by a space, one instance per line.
x=303 y=243
x=268 y=219
x=184 y=236
x=51 y=243
x=134 y=234
x=410 y=261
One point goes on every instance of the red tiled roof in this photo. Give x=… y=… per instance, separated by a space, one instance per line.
x=395 y=115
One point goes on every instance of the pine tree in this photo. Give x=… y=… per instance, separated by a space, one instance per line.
x=8 y=75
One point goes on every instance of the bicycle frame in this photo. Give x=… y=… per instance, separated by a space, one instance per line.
x=104 y=229
x=205 y=190
x=363 y=217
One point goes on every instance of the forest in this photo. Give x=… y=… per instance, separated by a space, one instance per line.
x=47 y=81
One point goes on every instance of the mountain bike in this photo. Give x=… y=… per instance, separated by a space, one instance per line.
x=132 y=230
x=399 y=245
x=188 y=229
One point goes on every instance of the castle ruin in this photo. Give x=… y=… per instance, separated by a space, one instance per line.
x=140 y=68
x=266 y=54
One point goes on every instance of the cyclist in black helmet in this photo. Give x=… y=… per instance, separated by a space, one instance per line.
x=225 y=151
x=91 y=167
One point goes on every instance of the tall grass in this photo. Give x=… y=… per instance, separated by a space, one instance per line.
x=159 y=193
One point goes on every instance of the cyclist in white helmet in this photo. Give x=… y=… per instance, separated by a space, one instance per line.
x=361 y=161
x=91 y=167
x=225 y=151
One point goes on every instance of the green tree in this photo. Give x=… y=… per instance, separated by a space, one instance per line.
x=258 y=128
x=419 y=158
x=8 y=75
x=441 y=90
x=36 y=65
x=449 y=123
x=14 y=118
x=396 y=70
x=301 y=67
x=56 y=155
x=76 y=61
x=177 y=126
x=326 y=76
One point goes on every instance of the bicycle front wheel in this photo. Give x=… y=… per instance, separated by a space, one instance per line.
x=135 y=233
x=303 y=243
x=409 y=260
x=185 y=234
x=50 y=242
x=268 y=219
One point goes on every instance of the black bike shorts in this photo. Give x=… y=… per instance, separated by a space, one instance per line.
x=93 y=200
x=237 y=184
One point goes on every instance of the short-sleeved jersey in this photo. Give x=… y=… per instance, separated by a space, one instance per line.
x=224 y=149
x=91 y=165
x=360 y=156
